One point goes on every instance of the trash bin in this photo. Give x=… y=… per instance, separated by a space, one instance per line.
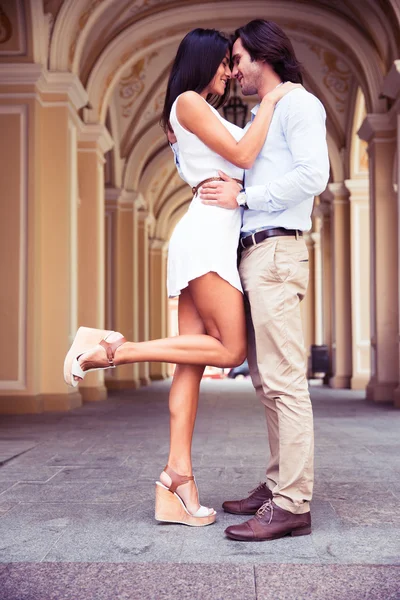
x=319 y=359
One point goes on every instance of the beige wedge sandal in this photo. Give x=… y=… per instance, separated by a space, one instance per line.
x=170 y=507
x=87 y=338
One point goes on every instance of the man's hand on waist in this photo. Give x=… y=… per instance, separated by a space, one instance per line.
x=221 y=193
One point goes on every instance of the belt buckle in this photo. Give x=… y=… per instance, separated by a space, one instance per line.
x=253 y=239
x=241 y=243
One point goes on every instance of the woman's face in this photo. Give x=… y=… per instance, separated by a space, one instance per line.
x=221 y=77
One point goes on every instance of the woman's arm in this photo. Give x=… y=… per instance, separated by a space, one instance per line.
x=195 y=116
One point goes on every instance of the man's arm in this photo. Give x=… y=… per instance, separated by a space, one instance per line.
x=305 y=132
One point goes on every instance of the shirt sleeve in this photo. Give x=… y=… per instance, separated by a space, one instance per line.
x=305 y=132
x=175 y=150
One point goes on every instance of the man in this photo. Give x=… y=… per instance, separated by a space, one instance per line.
x=278 y=196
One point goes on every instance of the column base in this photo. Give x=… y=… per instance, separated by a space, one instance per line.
x=381 y=392
x=145 y=381
x=122 y=384
x=96 y=393
x=359 y=382
x=40 y=403
x=158 y=377
x=340 y=382
x=396 y=397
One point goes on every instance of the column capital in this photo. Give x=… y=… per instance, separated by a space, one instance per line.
x=316 y=239
x=48 y=83
x=358 y=188
x=158 y=246
x=139 y=202
x=376 y=126
x=340 y=193
x=95 y=136
x=391 y=83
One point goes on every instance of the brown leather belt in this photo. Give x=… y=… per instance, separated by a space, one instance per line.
x=260 y=236
x=196 y=188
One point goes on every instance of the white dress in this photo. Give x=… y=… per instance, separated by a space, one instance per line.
x=207 y=237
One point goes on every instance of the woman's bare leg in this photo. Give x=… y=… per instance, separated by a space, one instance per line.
x=221 y=309
x=183 y=401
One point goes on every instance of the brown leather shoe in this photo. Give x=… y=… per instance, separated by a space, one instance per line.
x=270 y=523
x=251 y=504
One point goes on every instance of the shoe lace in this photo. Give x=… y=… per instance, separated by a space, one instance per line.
x=267 y=506
x=259 y=487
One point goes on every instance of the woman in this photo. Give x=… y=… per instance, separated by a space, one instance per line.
x=201 y=263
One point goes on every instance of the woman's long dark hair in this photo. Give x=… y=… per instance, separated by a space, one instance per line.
x=199 y=55
x=266 y=42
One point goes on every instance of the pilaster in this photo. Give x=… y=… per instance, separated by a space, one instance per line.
x=39 y=171
x=158 y=301
x=121 y=271
x=342 y=342
x=143 y=224
x=379 y=132
x=94 y=142
x=360 y=281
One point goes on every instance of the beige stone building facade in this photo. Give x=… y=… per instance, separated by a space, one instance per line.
x=89 y=194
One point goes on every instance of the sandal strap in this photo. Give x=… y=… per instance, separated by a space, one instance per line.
x=176 y=479
x=111 y=348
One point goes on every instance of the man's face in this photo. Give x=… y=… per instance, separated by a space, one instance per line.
x=247 y=72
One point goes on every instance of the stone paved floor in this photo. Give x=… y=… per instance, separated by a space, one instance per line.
x=76 y=503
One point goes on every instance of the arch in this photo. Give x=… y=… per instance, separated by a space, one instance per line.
x=151 y=32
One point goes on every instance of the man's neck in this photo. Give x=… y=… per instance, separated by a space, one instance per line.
x=267 y=86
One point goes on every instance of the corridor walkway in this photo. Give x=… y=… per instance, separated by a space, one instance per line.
x=76 y=503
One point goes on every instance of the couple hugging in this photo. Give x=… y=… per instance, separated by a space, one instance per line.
x=253 y=188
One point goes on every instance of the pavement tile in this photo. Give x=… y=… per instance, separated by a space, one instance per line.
x=85 y=492
x=9 y=448
x=110 y=581
x=12 y=472
x=333 y=582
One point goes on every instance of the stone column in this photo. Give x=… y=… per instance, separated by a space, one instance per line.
x=342 y=343
x=318 y=298
x=391 y=89
x=360 y=286
x=158 y=301
x=324 y=211
x=307 y=306
x=94 y=142
x=378 y=131
x=121 y=270
x=38 y=235
x=143 y=222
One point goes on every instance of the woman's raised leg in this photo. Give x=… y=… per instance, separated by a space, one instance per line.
x=183 y=401
x=221 y=309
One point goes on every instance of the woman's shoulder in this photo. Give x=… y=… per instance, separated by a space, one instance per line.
x=190 y=98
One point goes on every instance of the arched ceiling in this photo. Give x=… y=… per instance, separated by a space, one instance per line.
x=122 y=53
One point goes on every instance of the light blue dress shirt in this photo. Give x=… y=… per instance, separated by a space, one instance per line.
x=292 y=167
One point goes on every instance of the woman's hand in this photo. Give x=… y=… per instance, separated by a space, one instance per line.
x=277 y=94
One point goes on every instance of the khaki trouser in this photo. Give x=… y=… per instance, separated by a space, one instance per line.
x=274 y=275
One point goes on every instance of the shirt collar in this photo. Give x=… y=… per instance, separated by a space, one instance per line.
x=254 y=110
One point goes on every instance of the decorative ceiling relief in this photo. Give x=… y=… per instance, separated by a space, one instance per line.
x=132 y=85
x=337 y=75
x=155 y=108
x=6 y=29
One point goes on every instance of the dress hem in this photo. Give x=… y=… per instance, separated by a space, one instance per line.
x=177 y=294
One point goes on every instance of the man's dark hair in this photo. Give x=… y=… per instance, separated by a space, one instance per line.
x=266 y=42
x=199 y=55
